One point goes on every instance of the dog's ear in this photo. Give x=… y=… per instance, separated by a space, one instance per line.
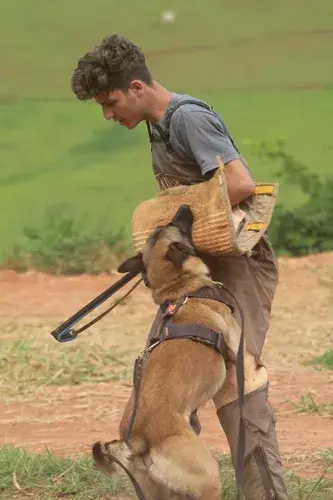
x=132 y=264
x=178 y=253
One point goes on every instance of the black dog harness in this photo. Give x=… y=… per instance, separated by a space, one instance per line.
x=168 y=330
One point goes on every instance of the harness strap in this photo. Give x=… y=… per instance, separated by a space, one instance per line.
x=149 y=132
x=171 y=308
x=198 y=333
x=208 y=292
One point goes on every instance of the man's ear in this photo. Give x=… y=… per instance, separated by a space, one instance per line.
x=132 y=264
x=178 y=253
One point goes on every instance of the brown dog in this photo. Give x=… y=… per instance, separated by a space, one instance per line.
x=179 y=376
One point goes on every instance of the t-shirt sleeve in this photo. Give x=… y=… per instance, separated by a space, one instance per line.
x=201 y=136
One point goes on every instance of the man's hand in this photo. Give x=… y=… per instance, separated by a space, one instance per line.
x=239 y=182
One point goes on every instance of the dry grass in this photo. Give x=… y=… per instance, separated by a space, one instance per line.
x=307 y=404
x=27 y=364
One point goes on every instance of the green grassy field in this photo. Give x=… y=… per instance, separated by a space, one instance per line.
x=266 y=67
x=49 y=477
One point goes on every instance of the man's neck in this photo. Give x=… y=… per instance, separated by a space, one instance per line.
x=158 y=98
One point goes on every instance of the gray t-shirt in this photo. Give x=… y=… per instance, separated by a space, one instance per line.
x=197 y=135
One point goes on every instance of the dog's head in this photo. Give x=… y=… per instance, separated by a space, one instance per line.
x=169 y=259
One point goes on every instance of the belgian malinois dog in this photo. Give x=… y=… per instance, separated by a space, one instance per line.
x=163 y=453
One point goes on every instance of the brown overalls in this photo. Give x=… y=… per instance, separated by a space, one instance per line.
x=253 y=280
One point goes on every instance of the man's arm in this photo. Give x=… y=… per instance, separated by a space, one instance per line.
x=239 y=182
x=202 y=137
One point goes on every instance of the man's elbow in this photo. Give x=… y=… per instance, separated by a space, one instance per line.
x=247 y=188
x=239 y=181
x=241 y=191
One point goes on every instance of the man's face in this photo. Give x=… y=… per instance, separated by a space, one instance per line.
x=124 y=107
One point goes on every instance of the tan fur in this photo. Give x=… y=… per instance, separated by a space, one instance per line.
x=254 y=377
x=179 y=376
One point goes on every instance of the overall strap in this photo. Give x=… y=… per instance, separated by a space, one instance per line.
x=164 y=132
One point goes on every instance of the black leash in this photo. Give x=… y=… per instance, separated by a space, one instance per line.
x=137 y=376
x=138 y=365
x=65 y=332
x=240 y=460
x=136 y=485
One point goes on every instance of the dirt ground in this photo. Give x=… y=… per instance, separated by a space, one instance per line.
x=68 y=419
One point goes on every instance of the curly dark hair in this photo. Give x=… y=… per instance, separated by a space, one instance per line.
x=111 y=65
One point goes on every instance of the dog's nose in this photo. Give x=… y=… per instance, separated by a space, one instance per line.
x=184 y=216
x=183 y=210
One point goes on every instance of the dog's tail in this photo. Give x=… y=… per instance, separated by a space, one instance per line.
x=115 y=456
x=106 y=456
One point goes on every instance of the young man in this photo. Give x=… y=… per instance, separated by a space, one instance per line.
x=186 y=136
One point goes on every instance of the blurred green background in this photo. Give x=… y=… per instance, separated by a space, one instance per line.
x=265 y=66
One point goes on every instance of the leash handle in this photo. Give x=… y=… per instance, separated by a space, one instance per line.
x=65 y=331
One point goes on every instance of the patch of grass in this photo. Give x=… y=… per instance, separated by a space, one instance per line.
x=298 y=489
x=307 y=404
x=27 y=364
x=315 y=489
x=306 y=229
x=61 y=245
x=50 y=477
x=327 y=456
x=323 y=361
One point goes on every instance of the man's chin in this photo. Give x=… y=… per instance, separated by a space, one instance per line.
x=127 y=124
x=130 y=126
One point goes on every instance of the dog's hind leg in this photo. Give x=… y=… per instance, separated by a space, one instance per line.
x=186 y=468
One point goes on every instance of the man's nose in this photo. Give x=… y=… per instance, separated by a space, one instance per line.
x=108 y=114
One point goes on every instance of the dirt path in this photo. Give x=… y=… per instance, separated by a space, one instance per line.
x=68 y=419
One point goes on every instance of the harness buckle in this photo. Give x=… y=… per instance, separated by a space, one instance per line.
x=173 y=307
x=150 y=348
